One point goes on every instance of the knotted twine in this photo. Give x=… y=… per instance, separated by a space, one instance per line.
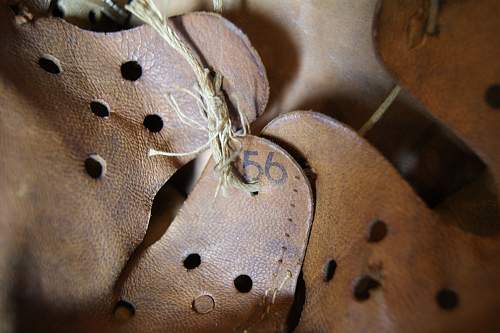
x=223 y=140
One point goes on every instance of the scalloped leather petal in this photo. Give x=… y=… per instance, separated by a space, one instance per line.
x=263 y=236
x=65 y=235
x=398 y=265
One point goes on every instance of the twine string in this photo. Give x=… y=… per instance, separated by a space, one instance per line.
x=218 y=4
x=223 y=140
x=382 y=109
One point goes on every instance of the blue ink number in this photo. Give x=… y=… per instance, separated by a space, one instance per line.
x=248 y=163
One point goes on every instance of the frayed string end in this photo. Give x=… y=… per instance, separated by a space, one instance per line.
x=223 y=139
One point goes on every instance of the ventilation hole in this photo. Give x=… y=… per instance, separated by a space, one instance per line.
x=243 y=283
x=58 y=11
x=363 y=287
x=254 y=194
x=131 y=70
x=99 y=108
x=50 y=64
x=153 y=122
x=124 y=310
x=447 y=299
x=493 y=96
x=329 y=270
x=192 y=261
x=377 y=231
x=203 y=304
x=95 y=166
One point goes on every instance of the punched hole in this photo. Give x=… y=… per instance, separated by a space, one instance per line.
x=124 y=310
x=377 y=231
x=131 y=70
x=50 y=64
x=329 y=270
x=493 y=96
x=99 y=108
x=363 y=286
x=447 y=299
x=254 y=194
x=243 y=283
x=95 y=166
x=192 y=261
x=153 y=123
x=203 y=304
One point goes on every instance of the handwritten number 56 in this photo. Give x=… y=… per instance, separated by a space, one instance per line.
x=248 y=163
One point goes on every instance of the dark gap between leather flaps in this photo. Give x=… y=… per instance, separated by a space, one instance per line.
x=166 y=204
x=299 y=300
x=97 y=16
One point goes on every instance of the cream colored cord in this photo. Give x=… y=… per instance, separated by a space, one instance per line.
x=224 y=142
x=375 y=117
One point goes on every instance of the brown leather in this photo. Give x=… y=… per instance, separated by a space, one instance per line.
x=263 y=236
x=452 y=71
x=425 y=274
x=320 y=55
x=65 y=236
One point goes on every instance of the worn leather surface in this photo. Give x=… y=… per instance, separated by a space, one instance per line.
x=320 y=55
x=263 y=236
x=66 y=237
x=423 y=251
x=451 y=71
